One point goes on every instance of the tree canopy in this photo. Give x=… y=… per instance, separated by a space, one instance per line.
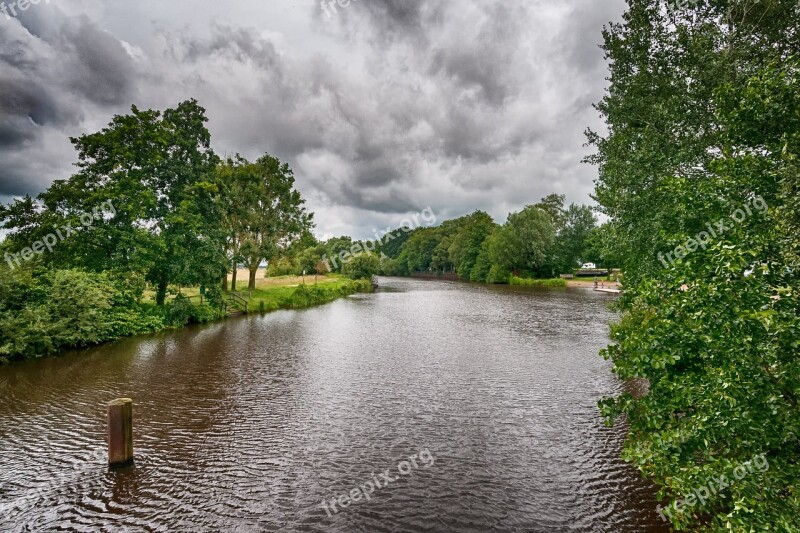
x=700 y=165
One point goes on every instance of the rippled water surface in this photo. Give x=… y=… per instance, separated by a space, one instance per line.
x=249 y=424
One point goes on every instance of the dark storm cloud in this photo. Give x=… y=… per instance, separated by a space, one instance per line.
x=54 y=70
x=383 y=109
x=99 y=69
x=403 y=19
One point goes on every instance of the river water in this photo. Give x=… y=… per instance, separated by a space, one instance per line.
x=250 y=424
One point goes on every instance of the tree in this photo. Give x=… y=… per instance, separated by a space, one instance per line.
x=601 y=246
x=335 y=248
x=553 y=205
x=525 y=243
x=483 y=263
x=418 y=251
x=573 y=238
x=700 y=162
x=265 y=212
x=233 y=184
x=156 y=169
x=466 y=244
x=362 y=266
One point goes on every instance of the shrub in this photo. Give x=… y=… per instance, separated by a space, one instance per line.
x=43 y=312
x=281 y=267
x=178 y=311
x=557 y=282
x=362 y=266
x=498 y=274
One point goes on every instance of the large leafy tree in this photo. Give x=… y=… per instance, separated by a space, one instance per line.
x=466 y=244
x=702 y=117
x=526 y=243
x=156 y=169
x=265 y=212
x=573 y=242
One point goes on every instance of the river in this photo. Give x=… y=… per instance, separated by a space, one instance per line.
x=480 y=401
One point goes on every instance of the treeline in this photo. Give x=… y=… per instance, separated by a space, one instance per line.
x=151 y=209
x=539 y=242
x=699 y=175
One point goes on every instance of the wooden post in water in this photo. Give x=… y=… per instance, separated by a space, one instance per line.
x=120 y=432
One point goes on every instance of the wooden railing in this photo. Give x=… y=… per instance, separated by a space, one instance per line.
x=238 y=302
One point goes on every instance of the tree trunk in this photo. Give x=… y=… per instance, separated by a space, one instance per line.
x=253 y=272
x=233 y=276
x=161 y=292
x=224 y=283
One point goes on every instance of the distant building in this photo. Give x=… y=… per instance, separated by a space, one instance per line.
x=588 y=266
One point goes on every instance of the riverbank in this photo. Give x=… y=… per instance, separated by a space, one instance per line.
x=289 y=292
x=588 y=283
x=78 y=310
x=528 y=282
x=554 y=283
x=296 y=292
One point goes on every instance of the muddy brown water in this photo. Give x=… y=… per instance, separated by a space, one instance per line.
x=249 y=424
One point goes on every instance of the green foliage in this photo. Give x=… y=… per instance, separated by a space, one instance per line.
x=483 y=263
x=528 y=282
x=498 y=274
x=42 y=312
x=178 y=311
x=574 y=239
x=466 y=244
x=334 y=248
x=703 y=118
x=525 y=242
x=152 y=173
x=539 y=240
x=309 y=295
x=265 y=214
x=165 y=213
x=281 y=267
x=362 y=266
x=392 y=244
x=390 y=267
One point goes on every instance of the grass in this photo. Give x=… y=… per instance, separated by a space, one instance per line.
x=557 y=282
x=289 y=292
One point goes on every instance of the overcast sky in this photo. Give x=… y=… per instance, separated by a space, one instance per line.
x=382 y=108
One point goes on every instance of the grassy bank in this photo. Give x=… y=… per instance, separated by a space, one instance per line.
x=272 y=296
x=46 y=313
x=558 y=282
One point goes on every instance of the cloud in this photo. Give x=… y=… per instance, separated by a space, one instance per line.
x=385 y=108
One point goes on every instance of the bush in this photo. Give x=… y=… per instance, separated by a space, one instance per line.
x=362 y=266
x=557 y=282
x=281 y=267
x=390 y=267
x=202 y=314
x=43 y=312
x=498 y=274
x=309 y=295
x=178 y=311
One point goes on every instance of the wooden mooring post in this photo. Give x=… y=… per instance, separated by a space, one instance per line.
x=120 y=432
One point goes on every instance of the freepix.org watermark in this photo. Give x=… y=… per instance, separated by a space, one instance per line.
x=408 y=225
x=364 y=491
x=329 y=6
x=49 y=241
x=703 y=239
x=716 y=486
x=13 y=9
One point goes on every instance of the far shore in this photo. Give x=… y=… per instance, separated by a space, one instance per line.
x=590 y=283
